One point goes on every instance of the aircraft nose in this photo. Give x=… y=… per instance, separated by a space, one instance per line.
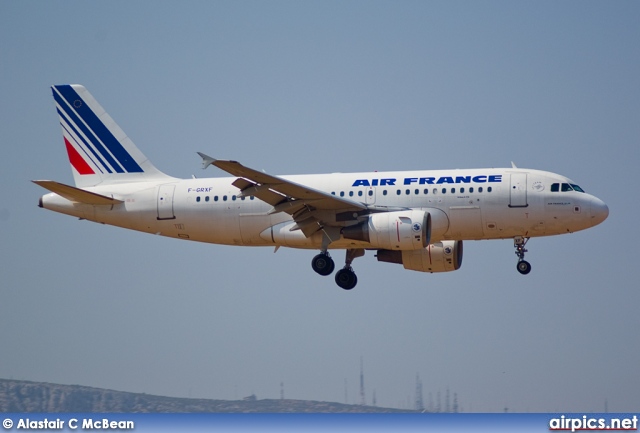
x=599 y=211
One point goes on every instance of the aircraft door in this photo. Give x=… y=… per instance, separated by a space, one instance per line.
x=518 y=191
x=165 y=202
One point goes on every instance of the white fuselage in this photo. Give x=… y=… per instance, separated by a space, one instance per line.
x=415 y=218
x=463 y=204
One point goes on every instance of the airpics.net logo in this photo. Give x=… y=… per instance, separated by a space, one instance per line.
x=586 y=423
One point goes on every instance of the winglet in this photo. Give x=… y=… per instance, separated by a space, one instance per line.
x=513 y=165
x=206 y=160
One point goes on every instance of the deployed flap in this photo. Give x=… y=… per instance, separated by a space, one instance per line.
x=76 y=194
x=318 y=199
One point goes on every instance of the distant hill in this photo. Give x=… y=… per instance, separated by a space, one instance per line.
x=25 y=396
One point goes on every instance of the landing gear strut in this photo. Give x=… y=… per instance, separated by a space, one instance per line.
x=523 y=266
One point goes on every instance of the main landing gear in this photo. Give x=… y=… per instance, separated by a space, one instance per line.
x=323 y=264
x=523 y=266
x=345 y=278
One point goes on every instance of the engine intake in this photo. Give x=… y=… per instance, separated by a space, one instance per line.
x=399 y=230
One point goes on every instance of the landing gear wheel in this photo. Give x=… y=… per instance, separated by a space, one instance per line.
x=524 y=267
x=346 y=279
x=323 y=264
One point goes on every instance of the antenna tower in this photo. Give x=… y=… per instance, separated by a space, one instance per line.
x=362 y=398
x=419 y=400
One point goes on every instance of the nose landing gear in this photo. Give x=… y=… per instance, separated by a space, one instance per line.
x=523 y=266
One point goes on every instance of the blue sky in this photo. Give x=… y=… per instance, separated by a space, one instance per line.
x=321 y=87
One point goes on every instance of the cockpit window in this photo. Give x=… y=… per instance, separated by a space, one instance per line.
x=556 y=187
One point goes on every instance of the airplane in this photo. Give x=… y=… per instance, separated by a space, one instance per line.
x=417 y=218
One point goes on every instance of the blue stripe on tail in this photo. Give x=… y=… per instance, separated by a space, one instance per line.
x=74 y=121
x=65 y=121
x=97 y=129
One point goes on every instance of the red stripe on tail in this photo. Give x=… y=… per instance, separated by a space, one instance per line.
x=76 y=160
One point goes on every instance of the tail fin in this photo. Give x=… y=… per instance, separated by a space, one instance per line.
x=99 y=151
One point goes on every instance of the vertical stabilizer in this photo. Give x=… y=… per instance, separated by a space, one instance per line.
x=99 y=151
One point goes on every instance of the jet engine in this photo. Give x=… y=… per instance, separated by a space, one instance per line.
x=442 y=256
x=399 y=230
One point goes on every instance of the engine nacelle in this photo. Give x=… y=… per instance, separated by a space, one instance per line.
x=400 y=230
x=442 y=256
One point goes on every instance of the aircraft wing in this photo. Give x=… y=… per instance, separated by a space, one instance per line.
x=303 y=203
x=288 y=189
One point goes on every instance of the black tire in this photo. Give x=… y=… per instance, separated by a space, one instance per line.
x=523 y=267
x=346 y=279
x=323 y=264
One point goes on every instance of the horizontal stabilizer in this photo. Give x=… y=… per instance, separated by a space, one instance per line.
x=76 y=194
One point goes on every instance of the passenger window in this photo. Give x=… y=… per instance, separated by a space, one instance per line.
x=233 y=197
x=555 y=187
x=251 y=197
x=407 y=192
x=333 y=193
x=215 y=198
x=350 y=193
x=453 y=190
x=426 y=191
x=461 y=190
x=370 y=193
x=479 y=189
x=206 y=198
x=471 y=190
x=398 y=192
x=489 y=189
x=359 y=193
x=444 y=190
x=341 y=193
x=224 y=198
x=384 y=192
x=417 y=191
x=198 y=199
